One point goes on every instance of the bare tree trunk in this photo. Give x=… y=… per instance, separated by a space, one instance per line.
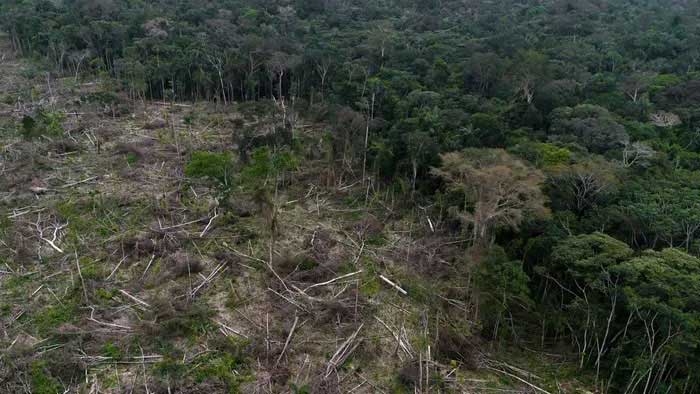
x=370 y=115
x=223 y=87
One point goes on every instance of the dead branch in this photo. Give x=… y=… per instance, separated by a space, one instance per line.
x=332 y=280
x=161 y=228
x=370 y=383
x=67 y=185
x=243 y=254
x=404 y=345
x=343 y=352
x=116 y=268
x=357 y=258
x=138 y=301
x=219 y=269
x=80 y=274
x=392 y=284
x=267 y=263
x=92 y=318
x=36 y=291
x=289 y=300
x=216 y=214
x=515 y=369
x=23 y=211
x=148 y=266
x=56 y=226
x=289 y=339
x=519 y=379
x=229 y=329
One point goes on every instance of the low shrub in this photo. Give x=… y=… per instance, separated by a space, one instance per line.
x=210 y=165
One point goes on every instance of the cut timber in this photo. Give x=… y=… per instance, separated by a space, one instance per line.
x=229 y=329
x=332 y=280
x=78 y=182
x=216 y=214
x=403 y=344
x=134 y=298
x=289 y=339
x=394 y=285
x=519 y=379
x=343 y=352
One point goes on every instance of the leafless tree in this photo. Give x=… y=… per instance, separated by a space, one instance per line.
x=322 y=68
x=637 y=154
x=218 y=63
x=51 y=226
x=498 y=189
x=636 y=84
x=665 y=119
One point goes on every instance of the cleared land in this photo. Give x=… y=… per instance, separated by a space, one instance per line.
x=120 y=274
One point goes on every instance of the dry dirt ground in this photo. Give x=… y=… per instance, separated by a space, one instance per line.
x=119 y=274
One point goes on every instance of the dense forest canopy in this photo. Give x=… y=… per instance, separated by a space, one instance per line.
x=562 y=137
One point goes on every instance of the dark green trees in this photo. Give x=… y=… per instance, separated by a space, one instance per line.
x=632 y=317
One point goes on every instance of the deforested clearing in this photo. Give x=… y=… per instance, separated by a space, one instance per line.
x=403 y=196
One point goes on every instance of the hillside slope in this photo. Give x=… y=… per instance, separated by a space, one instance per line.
x=120 y=274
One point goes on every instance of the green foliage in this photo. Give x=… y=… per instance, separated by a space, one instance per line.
x=91 y=270
x=489 y=130
x=551 y=155
x=662 y=289
x=228 y=366
x=501 y=276
x=190 y=118
x=179 y=320
x=42 y=382
x=663 y=82
x=29 y=71
x=111 y=350
x=607 y=288
x=214 y=166
x=5 y=225
x=307 y=264
x=305 y=389
x=503 y=285
x=99 y=216
x=267 y=166
x=376 y=240
x=107 y=97
x=132 y=158
x=15 y=284
x=583 y=257
x=370 y=285
x=542 y=154
x=662 y=211
x=220 y=368
x=591 y=126
x=104 y=294
x=641 y=131
x=170 y=368
x=51 y=317
x=666 y=282
x=44 y=123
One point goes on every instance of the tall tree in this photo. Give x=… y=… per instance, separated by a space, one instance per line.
x=498 y=190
